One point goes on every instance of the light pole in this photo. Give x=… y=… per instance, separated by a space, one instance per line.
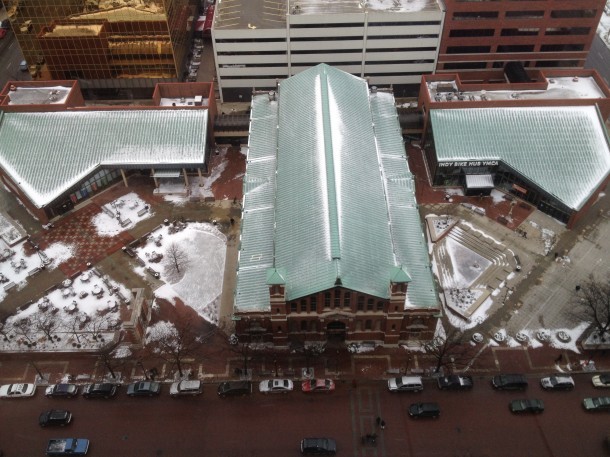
x=40 y=375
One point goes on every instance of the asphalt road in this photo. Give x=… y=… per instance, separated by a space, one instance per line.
x=10 y=56
x=475 y=423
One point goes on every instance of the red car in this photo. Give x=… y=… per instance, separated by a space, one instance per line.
x=2 y=33
x=318 y=385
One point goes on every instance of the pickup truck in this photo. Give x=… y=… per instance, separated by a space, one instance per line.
x=68 y=446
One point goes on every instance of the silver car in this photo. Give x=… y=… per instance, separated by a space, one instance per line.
x=281 y=386
x=557 y=382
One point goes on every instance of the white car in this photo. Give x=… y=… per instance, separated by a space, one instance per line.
x=17 y=390
x=185 y=388
x=270 y=386
x=601 y=380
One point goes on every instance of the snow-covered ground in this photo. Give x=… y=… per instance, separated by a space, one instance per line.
x=198 y=279
x=84 y=312
x=121 y=214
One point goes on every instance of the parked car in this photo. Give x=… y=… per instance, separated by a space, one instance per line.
x=455 y=382
x=601 y=380
x=234 y=388
x=17 y=390
x=143 y=389
x=3 y=33
x=318 y=385
x=597 y=403
x=405 y=384
x=68 y=446
x=62 y=390
x=280 y=386
x=509 y=382
x=185 y=388
x=23 y=66
x=55 y=417
x=557 y=382
x=318 y=446
x=531 y=405
x=429 y=409
x=102 y=390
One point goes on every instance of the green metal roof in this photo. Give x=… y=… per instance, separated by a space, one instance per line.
x=343 y=205
x=563 y=150
x=48 y=153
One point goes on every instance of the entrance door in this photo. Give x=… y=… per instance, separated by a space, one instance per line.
x=336 y=331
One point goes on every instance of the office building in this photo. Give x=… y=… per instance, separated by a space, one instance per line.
x=484 y=35
x=105 y=44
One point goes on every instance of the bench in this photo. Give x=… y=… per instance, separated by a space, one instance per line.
x=152 y=272
x=33 y=271
x=9 y=286
x=142 y=212
x=107 y=211
x=393 y=371
x=125 y=222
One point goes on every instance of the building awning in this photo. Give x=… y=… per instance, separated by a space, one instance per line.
x=479 y=182
x=166 y=174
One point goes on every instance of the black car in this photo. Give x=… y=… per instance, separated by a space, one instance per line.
x=527 y=406
x=430 y=409
x=318 y=446
x=103 y=390
x=455 y=382
x=55 y=417
x=509 y=382
x=62 y=390
x=143 y=389
x=234 y=388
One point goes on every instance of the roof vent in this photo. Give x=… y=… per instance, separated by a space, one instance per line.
x=373 y=89
x=13 y=88
x=575 y=79
x=182 y=99
x=338 y=281
x=514 y=95
x=296 y=9
x=271 y=96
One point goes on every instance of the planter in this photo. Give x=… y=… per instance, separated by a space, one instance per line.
x=500 y=337
x=477 y=338
x=522 y=337
x=543 y=335
x=564 y=337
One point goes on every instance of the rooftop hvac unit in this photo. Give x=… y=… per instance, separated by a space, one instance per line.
x=198 y=100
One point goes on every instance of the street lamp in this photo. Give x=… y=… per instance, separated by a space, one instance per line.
x=141 y=365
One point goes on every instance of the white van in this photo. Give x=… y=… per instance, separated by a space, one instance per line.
x=405 y=384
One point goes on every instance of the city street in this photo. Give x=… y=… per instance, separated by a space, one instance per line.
x=475 y=423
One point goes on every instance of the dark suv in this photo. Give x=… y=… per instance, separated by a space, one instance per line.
x=509 y=382
x=234 y=388
x=430 y=409
x=103 y=390
x=55 y=417
x=319 y=446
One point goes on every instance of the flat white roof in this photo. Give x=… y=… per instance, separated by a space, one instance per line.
x=561 y=88
x=50 y=95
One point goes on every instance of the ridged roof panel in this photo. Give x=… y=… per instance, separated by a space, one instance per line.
x=47 y=153
x=564 y=150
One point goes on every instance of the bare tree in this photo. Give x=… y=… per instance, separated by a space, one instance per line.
x=311 y=351
x=175 y=342
x=177 y=258
x=74 y=326
x=450 y=350
x=592 y=303
x=23 y=327
x=46 y=323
